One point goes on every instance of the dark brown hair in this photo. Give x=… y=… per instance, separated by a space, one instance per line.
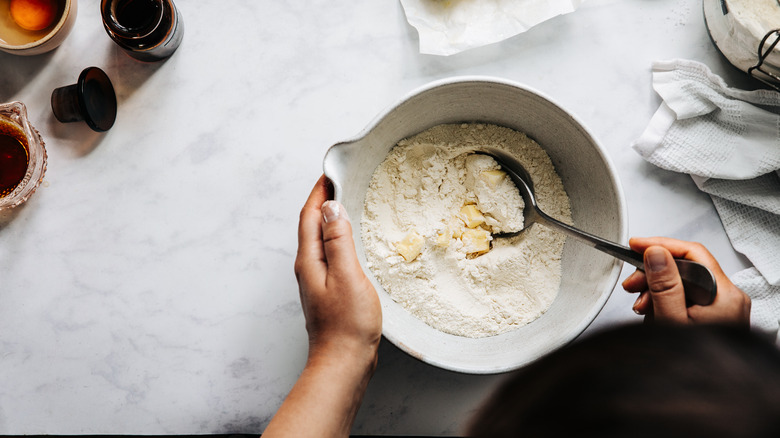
x=643 y=380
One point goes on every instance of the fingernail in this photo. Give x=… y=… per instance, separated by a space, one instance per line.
x=635 y=308
x=656 y=259
x=332 y=210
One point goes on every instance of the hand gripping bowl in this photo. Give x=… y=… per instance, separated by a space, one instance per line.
x=589 y=177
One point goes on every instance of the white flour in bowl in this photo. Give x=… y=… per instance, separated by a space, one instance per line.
x=429 y=215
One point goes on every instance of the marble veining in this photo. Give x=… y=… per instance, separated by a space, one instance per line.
x=148 y=287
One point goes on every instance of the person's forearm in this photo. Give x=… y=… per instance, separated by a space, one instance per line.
x=325 y=399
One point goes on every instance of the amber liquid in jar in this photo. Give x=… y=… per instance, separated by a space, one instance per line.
x=136 y=14
x=14 y=157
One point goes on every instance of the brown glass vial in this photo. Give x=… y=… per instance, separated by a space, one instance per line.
x=148 y=30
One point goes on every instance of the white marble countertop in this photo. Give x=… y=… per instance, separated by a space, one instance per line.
x=148 y=287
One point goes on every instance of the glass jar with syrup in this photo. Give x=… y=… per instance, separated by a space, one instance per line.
x=148 y=30
x=22 y=156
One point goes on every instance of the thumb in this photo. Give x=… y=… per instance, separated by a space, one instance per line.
x=339 y=247
x=665 y=285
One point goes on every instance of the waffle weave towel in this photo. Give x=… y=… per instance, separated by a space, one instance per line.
x=728 y=140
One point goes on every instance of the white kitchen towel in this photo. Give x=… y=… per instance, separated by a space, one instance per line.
x=728 y=140
x=765 y=311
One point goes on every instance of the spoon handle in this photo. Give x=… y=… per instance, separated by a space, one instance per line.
x=698 y=281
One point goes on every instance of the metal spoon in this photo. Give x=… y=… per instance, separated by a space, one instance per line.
x=698 y=281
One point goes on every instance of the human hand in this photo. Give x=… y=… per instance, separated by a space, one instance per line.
x=341 y=306
x=661 y=293
x=344 y=322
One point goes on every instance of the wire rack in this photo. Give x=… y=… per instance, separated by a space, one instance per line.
x=760 y=71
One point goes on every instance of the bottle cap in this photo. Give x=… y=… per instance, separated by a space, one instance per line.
x=91 y=99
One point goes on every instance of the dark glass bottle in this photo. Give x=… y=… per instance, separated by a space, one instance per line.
x=148 y=30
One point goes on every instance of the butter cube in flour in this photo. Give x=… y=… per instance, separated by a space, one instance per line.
x=476 y=241
x=471 y=216
x=411 y=246
x=492 y=177
x=444 y=237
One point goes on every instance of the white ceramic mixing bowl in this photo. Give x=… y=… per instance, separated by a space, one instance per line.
x=588 y=176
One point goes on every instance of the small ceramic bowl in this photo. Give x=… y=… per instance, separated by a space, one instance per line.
x=589 y=177
x=18 y=41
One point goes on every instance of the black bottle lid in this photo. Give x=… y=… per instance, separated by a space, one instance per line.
x=91 y=99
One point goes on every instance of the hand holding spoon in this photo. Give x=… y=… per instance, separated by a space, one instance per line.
x=698 y=281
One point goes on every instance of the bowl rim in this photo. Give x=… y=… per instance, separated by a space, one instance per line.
x=600 y=150
x=66 y=11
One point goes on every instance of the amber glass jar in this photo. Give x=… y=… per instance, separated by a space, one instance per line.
x=148 y=30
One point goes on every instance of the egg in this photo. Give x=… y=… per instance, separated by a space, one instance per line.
x=34 y=14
